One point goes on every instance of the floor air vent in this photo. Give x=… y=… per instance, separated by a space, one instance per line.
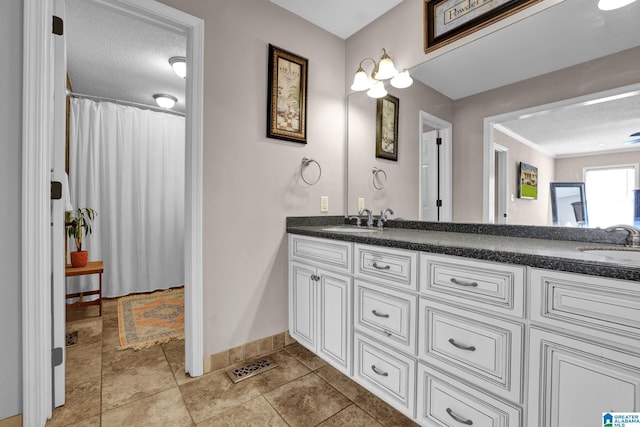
x=251 y=369
x=72 y=338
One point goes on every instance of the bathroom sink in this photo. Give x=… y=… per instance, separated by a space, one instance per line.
x=622 y=254
x=349 y=229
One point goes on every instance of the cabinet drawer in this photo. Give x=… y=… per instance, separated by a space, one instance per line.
x=445 y=401
x=485 y=350
x=394 y=266
x=386 y=372
x=481 y=284
x=605 y=308
x=389 y=315
x=332 y=254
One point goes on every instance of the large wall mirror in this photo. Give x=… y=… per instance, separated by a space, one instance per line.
x=586 y=105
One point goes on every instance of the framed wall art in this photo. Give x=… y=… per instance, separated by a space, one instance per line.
x=387 y=127
x=287 y=100
x=528 y=184
x=448 y=20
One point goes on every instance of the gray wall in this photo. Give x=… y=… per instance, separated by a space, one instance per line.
x=10 y=246
x=251 y=182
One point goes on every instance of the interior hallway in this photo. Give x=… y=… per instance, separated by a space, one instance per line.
x=111 y=387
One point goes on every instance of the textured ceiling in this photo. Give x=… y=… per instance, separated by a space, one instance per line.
x=114 y=56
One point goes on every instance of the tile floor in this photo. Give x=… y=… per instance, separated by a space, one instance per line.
x=111 y=387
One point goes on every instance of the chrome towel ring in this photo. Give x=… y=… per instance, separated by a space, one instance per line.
x=379 y=178
x=306 y=161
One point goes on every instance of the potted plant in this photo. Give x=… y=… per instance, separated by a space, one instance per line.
x=78 y=224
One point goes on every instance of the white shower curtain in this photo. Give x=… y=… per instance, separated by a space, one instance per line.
x=128 y=165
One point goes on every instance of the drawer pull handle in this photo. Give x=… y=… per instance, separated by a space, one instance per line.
x=387 y=333
x=381 y=267
x=458 y=418
x=463 y=283
x=379 y=372
x=461 y=346
x=375 y=313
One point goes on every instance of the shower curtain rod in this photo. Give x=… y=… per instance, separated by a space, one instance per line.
x=121 y=102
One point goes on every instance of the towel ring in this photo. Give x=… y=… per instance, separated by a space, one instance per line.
x=306 y=161
x=376 y=177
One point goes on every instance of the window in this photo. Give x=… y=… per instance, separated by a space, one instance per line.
x=610 y=197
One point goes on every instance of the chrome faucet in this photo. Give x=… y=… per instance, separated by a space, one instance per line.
x=383 y=217
x=369 y=216
x=357 y=218
x=633 y=237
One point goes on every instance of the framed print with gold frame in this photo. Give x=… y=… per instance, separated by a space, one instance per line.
x=287 y=100
x=387 y=127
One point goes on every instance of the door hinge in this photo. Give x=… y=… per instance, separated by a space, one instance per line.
x=56 y=190
x=56 y=356
x=58 y=26
x=438 y=141
x=439 y=203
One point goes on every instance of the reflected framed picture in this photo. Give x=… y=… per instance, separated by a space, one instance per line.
x=287 y=99
x=448 y=20
x=387 y=127
x=528 y=184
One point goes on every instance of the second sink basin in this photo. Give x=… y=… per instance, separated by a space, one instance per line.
x=622 y=254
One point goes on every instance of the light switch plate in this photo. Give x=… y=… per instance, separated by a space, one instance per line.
x=324 y=203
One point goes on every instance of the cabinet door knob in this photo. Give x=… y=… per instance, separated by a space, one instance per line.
x=375 y=313
x=463 y=283
x=380 y=267
x=461 y=346
x=458 y=418
x=378 y=371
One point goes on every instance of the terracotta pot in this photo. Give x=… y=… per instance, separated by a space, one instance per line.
x=79 y=258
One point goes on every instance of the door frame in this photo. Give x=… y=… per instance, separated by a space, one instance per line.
x=37 y=129
x=445 y=131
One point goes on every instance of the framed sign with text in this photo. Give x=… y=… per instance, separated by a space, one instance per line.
x=448 y=20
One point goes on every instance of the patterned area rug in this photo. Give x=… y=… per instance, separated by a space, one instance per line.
x=148 y=319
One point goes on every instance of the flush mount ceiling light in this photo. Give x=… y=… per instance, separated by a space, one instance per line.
x=613 y=4
x=164 y=100
x=179 y=65
x=382 y=70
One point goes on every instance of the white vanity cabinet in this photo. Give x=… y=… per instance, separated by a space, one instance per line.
x=584 y=348
x=320 y=298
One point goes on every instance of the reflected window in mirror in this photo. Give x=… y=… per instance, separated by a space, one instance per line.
x=610 y=192
x=569 y=204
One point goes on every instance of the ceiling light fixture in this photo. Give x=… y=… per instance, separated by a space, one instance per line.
x=164 y=100
x=179 y=65
x=382 y=70
x=635 y=139
x=613 y=4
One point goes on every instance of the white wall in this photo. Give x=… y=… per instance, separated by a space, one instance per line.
x=251 y=183
x=10 y=224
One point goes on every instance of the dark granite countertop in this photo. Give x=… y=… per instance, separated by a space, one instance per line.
x=544 y=251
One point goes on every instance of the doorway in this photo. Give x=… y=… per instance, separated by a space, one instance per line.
x=38 y=117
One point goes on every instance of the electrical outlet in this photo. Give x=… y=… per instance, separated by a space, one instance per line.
x=324 y=203
x=360 y=203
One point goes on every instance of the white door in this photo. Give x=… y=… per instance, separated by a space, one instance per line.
x=58 y=261
x=334 y=329
x=429 y=172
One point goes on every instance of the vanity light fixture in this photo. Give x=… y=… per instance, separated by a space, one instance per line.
x=382 y=70
x=613 y=4
x=179 y=65
x=164 y=100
